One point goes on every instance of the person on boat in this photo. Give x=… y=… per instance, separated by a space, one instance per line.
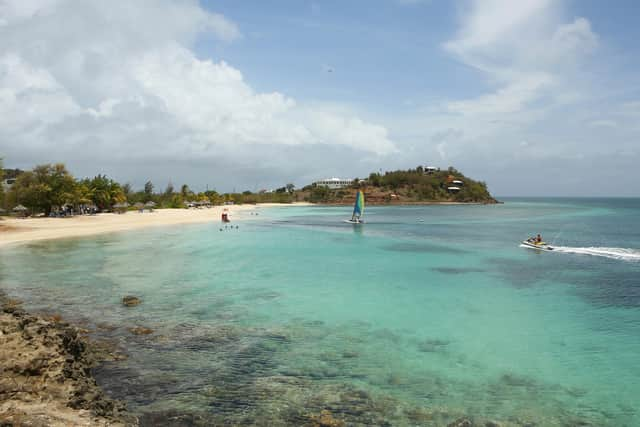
x=538 y=239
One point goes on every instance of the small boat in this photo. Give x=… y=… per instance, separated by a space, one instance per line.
x=542 y=246
x=358 y=210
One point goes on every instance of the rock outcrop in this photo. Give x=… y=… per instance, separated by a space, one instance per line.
x=45 y=377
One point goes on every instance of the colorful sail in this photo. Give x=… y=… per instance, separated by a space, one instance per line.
x=358 y=208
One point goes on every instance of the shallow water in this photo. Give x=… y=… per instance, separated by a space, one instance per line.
x=419 y=316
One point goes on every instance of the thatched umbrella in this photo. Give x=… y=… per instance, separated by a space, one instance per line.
x=150 y=204
x=120 y=207
x=20 y=209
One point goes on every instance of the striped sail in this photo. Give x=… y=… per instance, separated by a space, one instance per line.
x=358 y=208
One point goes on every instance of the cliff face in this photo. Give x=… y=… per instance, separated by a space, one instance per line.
x=407 y=187
x=45 y=374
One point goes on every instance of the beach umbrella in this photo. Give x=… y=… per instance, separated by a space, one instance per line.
x=138 y=205
x=19 y=208
x=150 y=204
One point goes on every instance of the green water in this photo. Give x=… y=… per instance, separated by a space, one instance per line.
x=418 y=317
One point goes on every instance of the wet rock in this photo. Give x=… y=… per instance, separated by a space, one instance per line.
x=173 y=418
x=491 y=424
x=350 y=354
x=325 y=419
x=140 y=330
x=419 y=416
x=131 y=301
x=106 y=327
x=11 y=305
x=55 y=318
x=461 y=422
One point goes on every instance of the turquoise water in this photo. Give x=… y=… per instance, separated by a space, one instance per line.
x=420 y=316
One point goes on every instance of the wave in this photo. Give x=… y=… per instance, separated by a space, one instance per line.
x=625 y=254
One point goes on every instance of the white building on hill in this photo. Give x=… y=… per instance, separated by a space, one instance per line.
x=334 y=183
x=8 y=183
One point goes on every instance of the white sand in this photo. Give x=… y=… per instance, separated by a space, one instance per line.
x=14 y=230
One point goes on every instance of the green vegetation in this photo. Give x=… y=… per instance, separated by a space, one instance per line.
x=407 y=186
x=51 y=189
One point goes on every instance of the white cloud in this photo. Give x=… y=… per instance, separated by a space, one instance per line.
x=94 y=80
x=538 y=70
x=511 y=98
x=522 y=48
x=30 y=95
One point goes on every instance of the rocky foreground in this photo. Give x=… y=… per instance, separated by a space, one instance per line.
x=45 y=377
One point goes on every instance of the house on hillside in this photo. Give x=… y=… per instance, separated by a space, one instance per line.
x=8 y=183
x=334 y=183
x=430 y=169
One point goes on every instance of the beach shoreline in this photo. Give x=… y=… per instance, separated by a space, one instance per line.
x=26 y=230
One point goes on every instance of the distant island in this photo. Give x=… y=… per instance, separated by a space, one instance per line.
x=422 y=185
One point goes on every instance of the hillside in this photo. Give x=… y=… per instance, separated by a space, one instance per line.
x=413 y=186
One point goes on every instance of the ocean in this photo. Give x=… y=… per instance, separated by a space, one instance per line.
x=421 y=316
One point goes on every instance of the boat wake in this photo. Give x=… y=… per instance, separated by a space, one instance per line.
x=614 y=253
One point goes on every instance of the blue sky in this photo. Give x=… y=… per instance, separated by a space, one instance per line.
x=535 y=97
x=382 y=55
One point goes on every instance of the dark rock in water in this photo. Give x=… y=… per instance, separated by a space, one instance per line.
x=325 y=419
x=457 y=270
x=419 y=416
x=432 y=345
x=106 y=327
x=174 y=418
x=11 y=305
x=491 y=424
x=347 y=354
x=140 y=330
x=461 y=422
x=514 y=380
x=131 y=301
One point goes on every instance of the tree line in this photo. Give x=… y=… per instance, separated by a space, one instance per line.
x=50 y=188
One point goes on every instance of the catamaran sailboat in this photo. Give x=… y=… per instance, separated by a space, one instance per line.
x=358 y=209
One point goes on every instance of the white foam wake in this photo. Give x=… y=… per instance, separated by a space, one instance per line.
x=615 y=253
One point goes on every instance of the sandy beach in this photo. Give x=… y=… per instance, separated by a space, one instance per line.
x=17 y=230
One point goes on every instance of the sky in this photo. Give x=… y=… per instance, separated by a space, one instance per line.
x=534 y=97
